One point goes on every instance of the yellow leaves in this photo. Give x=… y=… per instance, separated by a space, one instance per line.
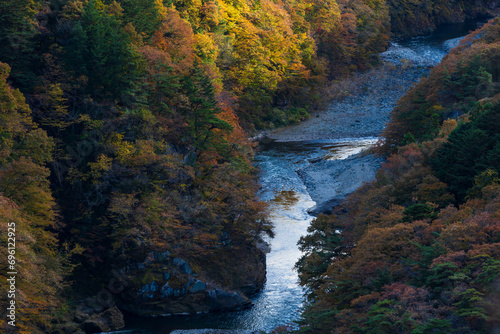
x=206 y=48
x=162 y=10
x=37 y=145
x=135 y=38
x=323 y=15
x=12 y=102
x=122 y=148
x=97 y=170
x=298 y=71
x=247 y=39
x=77 y=249
x=211 y=15
x=447 y=127
x=230 y=15
x=73 y=9
x=101 y=166
x=36 y=282
x=54 y=110
x=4 y=71
x=115 y=8
x=266 y=49
x=272 y=16
x=28 y=204
x=134 y=154
x=307 y=46
x=235 y=6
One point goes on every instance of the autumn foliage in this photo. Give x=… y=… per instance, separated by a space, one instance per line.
x=26 y=201
x=123 y=127
x=417 y=249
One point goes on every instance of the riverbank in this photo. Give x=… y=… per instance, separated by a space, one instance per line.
x=361 y=105
x=360 y=108
x=330 y=181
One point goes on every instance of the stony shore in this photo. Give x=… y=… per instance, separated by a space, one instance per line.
x=362 y=106
x=329 y=181
x=364 y=112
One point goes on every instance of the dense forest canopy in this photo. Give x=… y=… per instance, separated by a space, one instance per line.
x=123 y=129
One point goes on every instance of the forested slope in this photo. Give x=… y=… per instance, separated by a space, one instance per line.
x=418 y=249
x=417 y=17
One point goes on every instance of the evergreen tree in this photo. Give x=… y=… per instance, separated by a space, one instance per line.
x=471 y=149
x=201 y=113
x=16 y=39
x=102 y=51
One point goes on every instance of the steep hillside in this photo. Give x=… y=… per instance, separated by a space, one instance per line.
x=418 y=249
x=418 y=17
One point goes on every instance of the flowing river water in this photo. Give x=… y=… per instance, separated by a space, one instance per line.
x=281 y=300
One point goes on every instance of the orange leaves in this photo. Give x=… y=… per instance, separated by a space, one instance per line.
x=434 y=191
x=464 y=77
x=405 y=293
x=323 y=15
x=37 y=282
x=237 y=135
x=471 y=225
x=381 y=217
x=26 y=202
x=386 y=244
x=207 y=240
x=426 y=259
x=211 y=15
x=175 y=40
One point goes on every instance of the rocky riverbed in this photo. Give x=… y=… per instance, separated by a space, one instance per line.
x=318 y=160
x=362 y=109
x=364 y=112
x=329 y=181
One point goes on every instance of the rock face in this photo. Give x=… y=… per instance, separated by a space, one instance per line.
x=342 y=177
x=109 y=320
x=164 y=284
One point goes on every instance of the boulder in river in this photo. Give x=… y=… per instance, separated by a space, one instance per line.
x=330 y=181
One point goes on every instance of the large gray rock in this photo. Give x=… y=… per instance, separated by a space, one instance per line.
x=342 y=177
x=109 y=320
x=164 y=284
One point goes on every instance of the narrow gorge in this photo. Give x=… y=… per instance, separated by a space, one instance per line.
x=307 y=168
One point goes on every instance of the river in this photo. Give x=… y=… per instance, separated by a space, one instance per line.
x=281 y=300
